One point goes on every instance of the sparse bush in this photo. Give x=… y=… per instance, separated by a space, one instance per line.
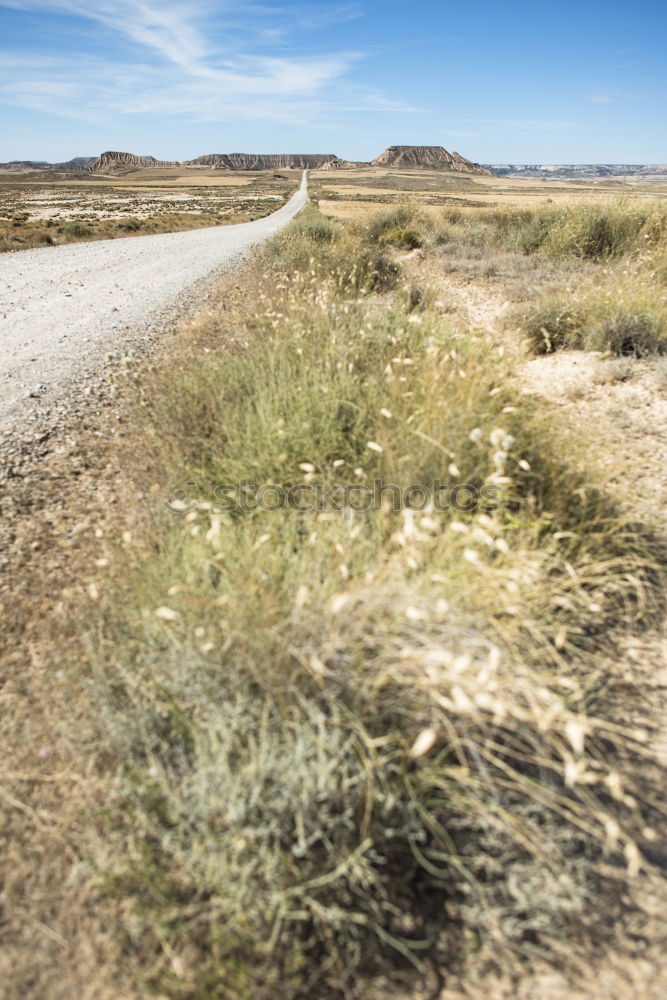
x=318 y=244
x=316 y=228
x=405 y=226
x=444 y=235
x=76 y=231
x=406 y=238
x=129 y=225
x=452 y=215
x=375 y=270
x=627 y=320
x=551 y=325
x=594 y=231
x=630 y=333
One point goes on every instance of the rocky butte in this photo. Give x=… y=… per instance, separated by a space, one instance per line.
x=110 y=162
x=263 y=161
x=430 y=157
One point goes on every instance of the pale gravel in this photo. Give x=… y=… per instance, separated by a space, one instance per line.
x=62 y=308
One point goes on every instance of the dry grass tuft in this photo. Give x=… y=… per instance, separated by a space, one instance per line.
x=346 y=740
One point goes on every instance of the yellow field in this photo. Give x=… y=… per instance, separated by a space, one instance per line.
x=351 y=209
x=424 y=185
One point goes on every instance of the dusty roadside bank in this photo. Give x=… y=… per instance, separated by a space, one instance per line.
x=66 y=481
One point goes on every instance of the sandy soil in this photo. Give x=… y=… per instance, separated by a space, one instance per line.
x=62 y=307
x=54 y=203
x=351 y=209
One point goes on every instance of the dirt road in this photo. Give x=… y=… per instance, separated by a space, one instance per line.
x=61 y=308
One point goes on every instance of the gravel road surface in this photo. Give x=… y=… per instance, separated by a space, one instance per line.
x=62 y=308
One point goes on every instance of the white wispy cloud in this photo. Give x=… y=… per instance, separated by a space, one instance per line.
x=167 y=29
x=601 y=97
x=202 y=60
x=531 y=124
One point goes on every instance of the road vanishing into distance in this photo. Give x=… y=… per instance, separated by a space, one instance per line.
x=62 y=308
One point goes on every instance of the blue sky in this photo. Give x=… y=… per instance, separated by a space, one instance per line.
x=499 y=82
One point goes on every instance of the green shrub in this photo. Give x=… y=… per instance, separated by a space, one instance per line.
x=316 y=228
x=445 y=234
x=628 y=319
x=551 y=325
x=76 y=231
x=405 y=226
x=375 y=271
x=593 y=231
x=129 y=225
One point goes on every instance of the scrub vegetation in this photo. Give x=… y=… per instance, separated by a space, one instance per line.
x=338 y=704
x=344 y=740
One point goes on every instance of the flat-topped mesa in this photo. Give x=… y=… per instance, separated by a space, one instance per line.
x=110 y=161
x=263 y=161
x=20 y=166
x=429 y=157
x=405 y=157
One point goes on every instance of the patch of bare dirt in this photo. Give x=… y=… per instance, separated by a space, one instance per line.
x=622 y=405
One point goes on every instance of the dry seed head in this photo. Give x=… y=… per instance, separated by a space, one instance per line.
x=317 y=666
x=213 y=533
x=423 y=743
x=302 y=596
x=166 y=614
x=615 y=785
x=459 y=527
x=574 y=772
x=633 y=858
x=612 y=831
x=338 y=602
x=497 y=436
x=416 y=614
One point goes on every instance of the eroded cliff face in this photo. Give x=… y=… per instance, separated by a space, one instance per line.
x=430 y=157
x=23 y=166
x=109 y=162
x=263 y=161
